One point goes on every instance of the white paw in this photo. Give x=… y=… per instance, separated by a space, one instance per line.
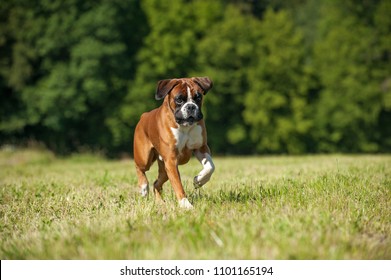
x=206 y=173
x=144 y=190
x=200 y=180
x=196 y=183
x=185 y=203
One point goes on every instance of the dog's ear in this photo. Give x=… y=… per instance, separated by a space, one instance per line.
x=204 y=82
x=164 y=87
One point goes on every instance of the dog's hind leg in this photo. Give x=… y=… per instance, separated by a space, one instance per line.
x=162 y=178
x=143 y=166
x=142 y=181
x=144 y=156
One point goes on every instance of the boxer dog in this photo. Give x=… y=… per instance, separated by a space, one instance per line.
x=171 y=133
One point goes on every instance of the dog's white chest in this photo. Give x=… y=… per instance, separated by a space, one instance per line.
x=190 y=137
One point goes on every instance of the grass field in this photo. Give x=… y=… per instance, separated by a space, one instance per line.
x=86 y=207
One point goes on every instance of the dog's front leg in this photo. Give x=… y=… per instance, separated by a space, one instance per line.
x=203 y=155
x=175 y=179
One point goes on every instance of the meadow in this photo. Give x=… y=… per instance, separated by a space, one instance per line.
x=277 y=207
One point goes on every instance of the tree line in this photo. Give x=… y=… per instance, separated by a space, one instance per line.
x=293 y=77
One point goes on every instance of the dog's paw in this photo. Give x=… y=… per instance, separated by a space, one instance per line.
x=206 y=173
x=196 y=183
x=201 y=180
x=185 y=203
x=144 y=190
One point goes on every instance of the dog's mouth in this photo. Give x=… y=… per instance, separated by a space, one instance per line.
x=189 y=121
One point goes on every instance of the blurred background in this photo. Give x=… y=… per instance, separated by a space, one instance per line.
x=290 y=77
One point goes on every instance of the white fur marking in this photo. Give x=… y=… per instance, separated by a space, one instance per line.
x=144 y=190
x=185 y=203
x=188 y=93
x=208 y=168
x=189 y=136
x=189 y=101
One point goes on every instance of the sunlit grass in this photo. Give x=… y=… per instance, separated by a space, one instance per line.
x=85 y=207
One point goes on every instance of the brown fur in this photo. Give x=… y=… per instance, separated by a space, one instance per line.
x=153 y=136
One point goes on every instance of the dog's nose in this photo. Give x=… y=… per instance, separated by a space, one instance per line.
x=191 y=108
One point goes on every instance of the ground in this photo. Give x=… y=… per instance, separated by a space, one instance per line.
x=280 y=207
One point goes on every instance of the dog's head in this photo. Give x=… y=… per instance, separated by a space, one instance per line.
x=184 y=97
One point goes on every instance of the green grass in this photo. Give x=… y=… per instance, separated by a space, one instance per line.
x=86 y=207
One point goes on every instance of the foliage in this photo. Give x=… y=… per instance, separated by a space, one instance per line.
x=289 y=76
x=276 y=104
x=67 y=71
x=225 y=54
x=351 y=99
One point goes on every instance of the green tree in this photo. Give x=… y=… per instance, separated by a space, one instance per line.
x=225 y=54
x=382 y=29
x=351 y=61
x=276 y=105
x=67 y=69
x=289 y=77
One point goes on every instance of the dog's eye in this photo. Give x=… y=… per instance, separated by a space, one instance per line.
x=179 y=100
x=198 y=97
